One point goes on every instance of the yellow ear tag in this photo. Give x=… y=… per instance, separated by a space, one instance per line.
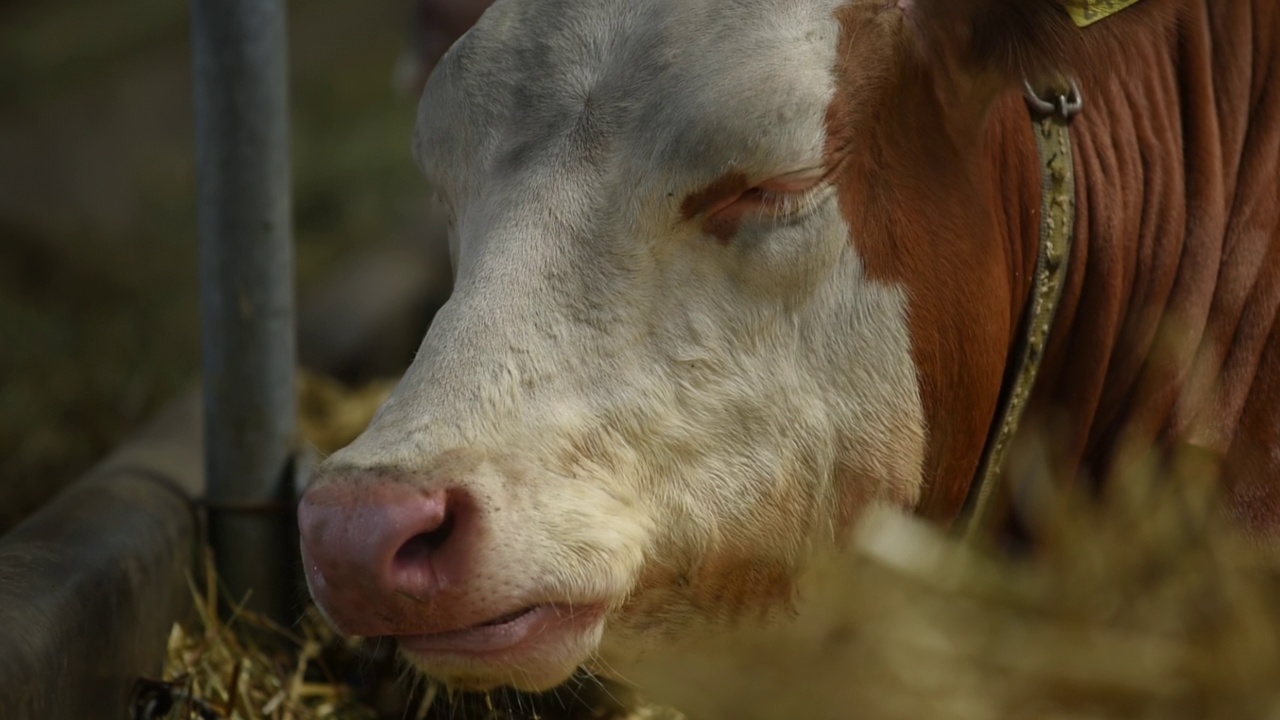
x=1091 y=11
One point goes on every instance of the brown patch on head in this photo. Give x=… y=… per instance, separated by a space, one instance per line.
x=696 y=204
x=934 y=209
x=733 y=586
x=721 y=586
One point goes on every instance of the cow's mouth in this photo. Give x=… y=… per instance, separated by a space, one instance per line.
x=521 y=632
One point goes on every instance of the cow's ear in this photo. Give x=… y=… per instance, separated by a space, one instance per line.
x=1009 y=40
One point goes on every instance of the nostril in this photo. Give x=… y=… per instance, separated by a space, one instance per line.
x=379 y=539
x=419 y=548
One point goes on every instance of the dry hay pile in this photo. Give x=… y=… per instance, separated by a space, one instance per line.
x=1140 y=604
x=247 y=667
x=331 y=415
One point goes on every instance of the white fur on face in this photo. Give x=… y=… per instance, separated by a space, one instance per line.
x=667 y=422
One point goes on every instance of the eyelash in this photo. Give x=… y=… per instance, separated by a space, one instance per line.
x=778 y=206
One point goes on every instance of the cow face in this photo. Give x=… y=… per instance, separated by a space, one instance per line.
x=667 y=372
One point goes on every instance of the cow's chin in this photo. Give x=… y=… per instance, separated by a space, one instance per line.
x=534 y=649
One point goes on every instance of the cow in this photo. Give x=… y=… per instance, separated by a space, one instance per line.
x=730 y=273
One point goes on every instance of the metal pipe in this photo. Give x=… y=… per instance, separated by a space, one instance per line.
x=246 y=290
x=91 y=584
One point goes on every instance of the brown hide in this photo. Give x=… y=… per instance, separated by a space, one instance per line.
x=1166 y=333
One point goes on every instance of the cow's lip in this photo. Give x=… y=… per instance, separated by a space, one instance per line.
x=517 y=631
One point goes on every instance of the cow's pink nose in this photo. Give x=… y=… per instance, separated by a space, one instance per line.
x=364 y=545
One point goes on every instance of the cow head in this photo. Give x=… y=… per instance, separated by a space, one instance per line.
x=727 y=272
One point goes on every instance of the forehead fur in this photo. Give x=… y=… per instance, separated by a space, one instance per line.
x=694 y=87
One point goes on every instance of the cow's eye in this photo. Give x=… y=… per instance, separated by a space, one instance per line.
x=780 y=197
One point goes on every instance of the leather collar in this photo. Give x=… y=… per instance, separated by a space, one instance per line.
x=1052 y=109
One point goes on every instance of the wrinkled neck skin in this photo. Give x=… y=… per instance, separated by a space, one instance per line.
x=1166 y=337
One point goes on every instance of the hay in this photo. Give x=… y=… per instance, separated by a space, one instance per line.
x=331 y=415
x=247 y=667
x=1143 y=603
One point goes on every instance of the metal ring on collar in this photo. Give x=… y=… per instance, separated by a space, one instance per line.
x=1066 y=105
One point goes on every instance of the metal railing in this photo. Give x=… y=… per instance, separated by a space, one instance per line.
x=246 y=290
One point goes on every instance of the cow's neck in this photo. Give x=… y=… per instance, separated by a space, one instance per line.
x=941 y=203
x=1078 y=405
x=1163 y=332
x=1007 y=185
x=1165 y=315
x=944 y=201
x=1165 y=324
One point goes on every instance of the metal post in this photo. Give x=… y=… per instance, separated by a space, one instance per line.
x=247 y=290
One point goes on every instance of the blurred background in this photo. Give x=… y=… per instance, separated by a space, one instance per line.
x=99 y=317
